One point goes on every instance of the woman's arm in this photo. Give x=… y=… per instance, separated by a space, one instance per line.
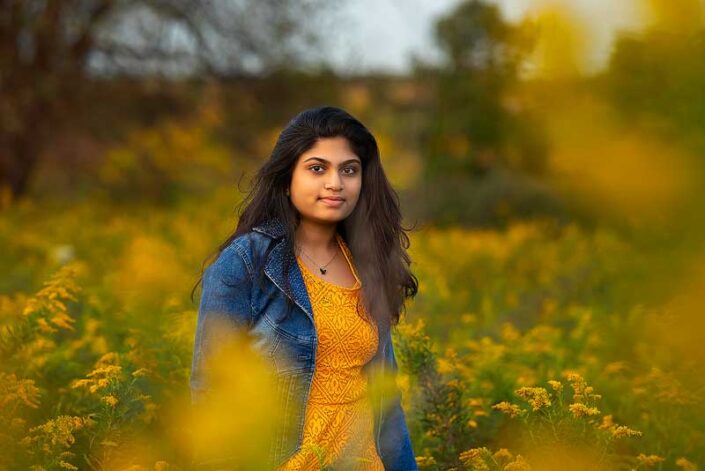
x=395 y=444
x=225 y=307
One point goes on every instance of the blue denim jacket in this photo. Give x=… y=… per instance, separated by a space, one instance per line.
x=231 y=293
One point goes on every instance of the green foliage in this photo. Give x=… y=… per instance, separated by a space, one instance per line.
x=654 y=75
x=473 y=128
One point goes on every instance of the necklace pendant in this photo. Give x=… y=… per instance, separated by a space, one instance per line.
x=323 y=270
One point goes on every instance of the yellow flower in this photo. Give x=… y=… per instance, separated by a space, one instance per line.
x=512 y=409
x=573 y=377
x=509 y=332
x=444 y=366
x=502 y=454
x=649 y=460
x=607 y=423
x=473 y=453
x=110 y=358
x=58 y=432
x=474 y=458
x=475 y=402
x=423 y=461
x=686 y=465
x=556 y=385
x=49 y=304
x=537 y=397
x=102 y=375
x=519 y=464
x=13 y=390
x=624 y=431
x=140 y=372
x=615 y=367
x=581 y=410
x=110 y=400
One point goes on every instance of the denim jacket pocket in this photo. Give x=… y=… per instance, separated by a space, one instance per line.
x=291 y=355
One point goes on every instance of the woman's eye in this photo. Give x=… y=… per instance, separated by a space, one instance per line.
x=346 y=170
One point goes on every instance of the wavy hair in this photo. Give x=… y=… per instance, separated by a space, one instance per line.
x=372 y=231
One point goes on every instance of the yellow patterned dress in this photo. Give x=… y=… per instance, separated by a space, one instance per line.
x=338 y=427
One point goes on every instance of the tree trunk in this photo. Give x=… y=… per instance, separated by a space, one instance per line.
x=18 y=158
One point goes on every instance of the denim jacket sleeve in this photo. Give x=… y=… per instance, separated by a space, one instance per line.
x=395 y=447
x=225 y=306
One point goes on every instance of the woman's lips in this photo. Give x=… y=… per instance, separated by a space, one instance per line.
x=333 y=203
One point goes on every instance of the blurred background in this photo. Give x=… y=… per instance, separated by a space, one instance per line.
x=548 y=154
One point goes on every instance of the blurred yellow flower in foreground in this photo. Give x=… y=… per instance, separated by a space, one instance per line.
x=236 y=419
x=620 y=171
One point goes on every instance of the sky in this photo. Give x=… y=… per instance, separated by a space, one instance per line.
x=381 y=35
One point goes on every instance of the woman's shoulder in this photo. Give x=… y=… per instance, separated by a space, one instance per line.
x=249 y=244
x=239 y=254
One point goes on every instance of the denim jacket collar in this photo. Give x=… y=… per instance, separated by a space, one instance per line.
x=272 y=227
x=274 y=267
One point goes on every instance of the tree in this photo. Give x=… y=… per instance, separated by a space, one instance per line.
x=50 y=49
x=471 y=122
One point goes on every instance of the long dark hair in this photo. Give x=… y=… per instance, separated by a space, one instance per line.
x=373 y=231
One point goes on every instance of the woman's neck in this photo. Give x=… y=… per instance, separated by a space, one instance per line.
x=316 y=238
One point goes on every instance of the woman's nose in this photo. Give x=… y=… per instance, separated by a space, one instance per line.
x=334 y=183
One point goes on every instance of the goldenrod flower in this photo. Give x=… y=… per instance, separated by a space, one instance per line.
x=502 y=454
x=57 y=432
x=473 y=458
x=649 y=460
x=48 y=306
x=581 y=410
x=140 y=372
x=556 y=385
x=574 y=378
x=615 y=367
x=110 y=400
x=423 y=461
x=537 y=397
x=444 y=366
x=686 y=465
x=624 y=431
x=512 y=409
x=475 y=402
x=519 y=464
x=607 y=423
x=473 y=453
x=102 y=375
x=13 y=390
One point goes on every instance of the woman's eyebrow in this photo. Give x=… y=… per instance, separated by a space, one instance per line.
x=327 y=162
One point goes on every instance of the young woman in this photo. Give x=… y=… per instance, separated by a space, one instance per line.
x=317 y=273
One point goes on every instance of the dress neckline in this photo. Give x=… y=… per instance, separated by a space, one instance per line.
x=343 y=248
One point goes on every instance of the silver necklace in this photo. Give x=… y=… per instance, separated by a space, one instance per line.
x=322 y=268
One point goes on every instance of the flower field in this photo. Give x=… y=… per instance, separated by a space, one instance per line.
x=537 y=346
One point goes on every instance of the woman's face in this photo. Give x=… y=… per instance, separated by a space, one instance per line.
x=326 y=181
